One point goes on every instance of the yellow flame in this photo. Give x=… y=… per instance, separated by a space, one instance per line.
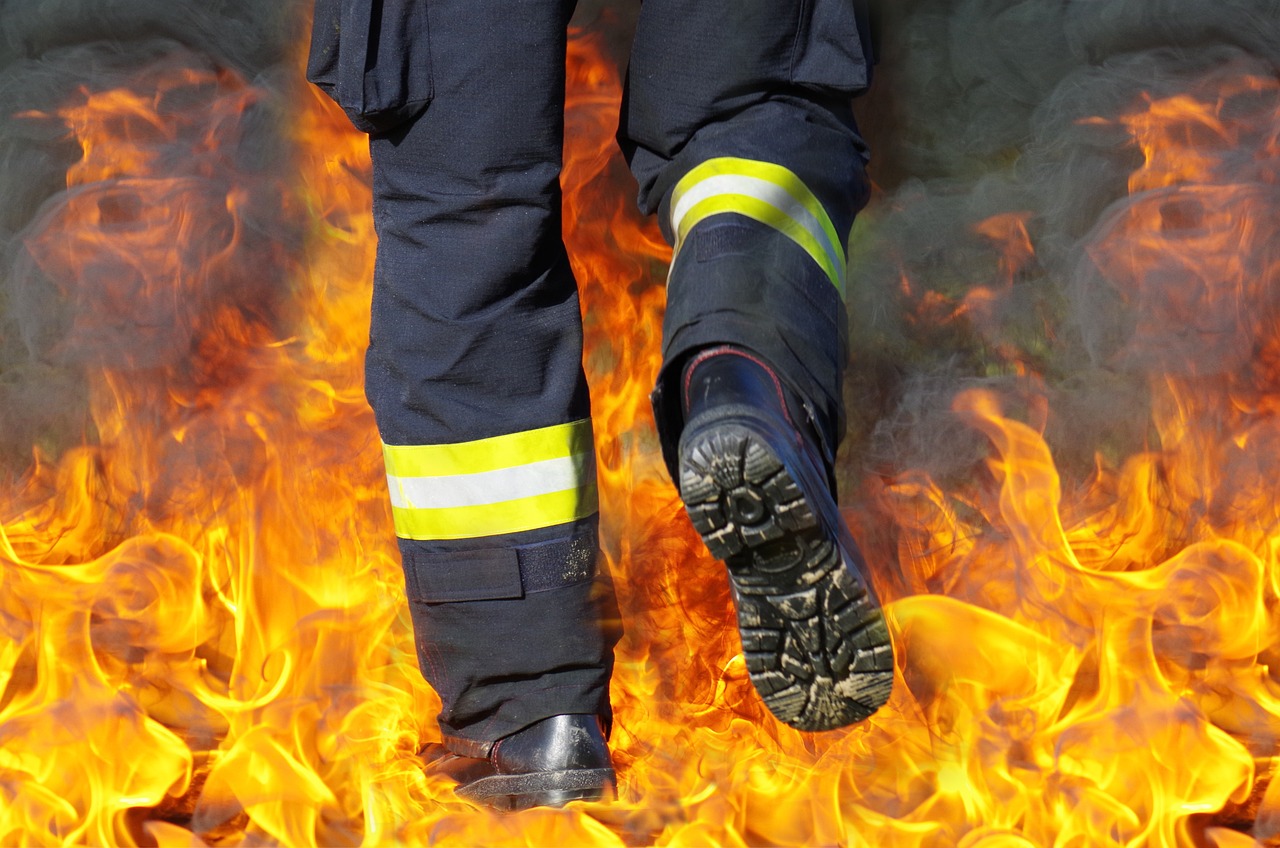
x=203 y=610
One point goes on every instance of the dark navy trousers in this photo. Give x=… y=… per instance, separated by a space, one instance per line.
x=736 y=122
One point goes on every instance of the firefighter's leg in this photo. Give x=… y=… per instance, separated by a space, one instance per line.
x=474 y=372
x=738 y=127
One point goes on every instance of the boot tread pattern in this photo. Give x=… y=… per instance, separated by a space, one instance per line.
x=815 y=642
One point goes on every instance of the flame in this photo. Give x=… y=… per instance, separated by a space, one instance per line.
x=203 y=609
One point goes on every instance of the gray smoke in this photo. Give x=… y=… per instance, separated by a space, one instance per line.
x=57 y=327
x=989 y=108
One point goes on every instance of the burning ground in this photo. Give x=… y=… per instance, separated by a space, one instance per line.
x=1063 y=444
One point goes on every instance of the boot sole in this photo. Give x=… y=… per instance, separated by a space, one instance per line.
x=514 y=792
x=816 y=643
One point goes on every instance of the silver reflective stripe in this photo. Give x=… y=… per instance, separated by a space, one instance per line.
x=487 y=487
x=492 y=486
x=763 y=190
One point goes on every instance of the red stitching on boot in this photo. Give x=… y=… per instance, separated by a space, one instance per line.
x=733 y=351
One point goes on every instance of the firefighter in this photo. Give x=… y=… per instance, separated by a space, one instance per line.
x=737 y=125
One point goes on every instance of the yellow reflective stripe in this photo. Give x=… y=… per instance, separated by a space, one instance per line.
x=769 y=172
x=490 y=454
x=765 y=192
x=504 y=484
x=493 y=519
x=766 y=214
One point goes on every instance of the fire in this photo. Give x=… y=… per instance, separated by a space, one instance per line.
x=203 y=609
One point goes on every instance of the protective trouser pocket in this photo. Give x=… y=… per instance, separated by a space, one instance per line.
x=833 y=49
x=483 y=575
x=373 y=58
x=436 y=574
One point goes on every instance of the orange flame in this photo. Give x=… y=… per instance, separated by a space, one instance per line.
x=204 y=613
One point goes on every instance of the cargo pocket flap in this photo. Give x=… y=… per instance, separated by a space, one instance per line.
x=373 y=58
x=833 y=49
x=486 y=575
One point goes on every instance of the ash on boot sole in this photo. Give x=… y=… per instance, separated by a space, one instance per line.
x=816 y=643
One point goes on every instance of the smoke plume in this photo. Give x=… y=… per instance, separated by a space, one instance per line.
x=987 y=257
x=58 y=324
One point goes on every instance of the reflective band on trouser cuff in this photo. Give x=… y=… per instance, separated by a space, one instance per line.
x=764 y=192
x=505 y=484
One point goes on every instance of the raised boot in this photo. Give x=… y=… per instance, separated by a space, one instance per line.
x=756 y=488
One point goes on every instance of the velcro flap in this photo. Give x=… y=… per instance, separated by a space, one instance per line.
x=483 y=575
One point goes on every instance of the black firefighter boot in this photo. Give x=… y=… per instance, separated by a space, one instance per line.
x=756 y=488
x=547 y=764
